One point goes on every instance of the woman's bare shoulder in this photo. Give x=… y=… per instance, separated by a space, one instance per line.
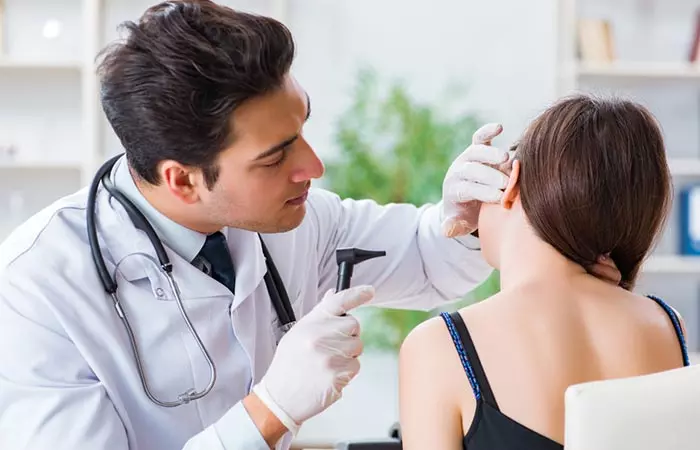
x=426 y=340
x=433 y=390
x=430 y=368
x=432 y=335
x=429 y=347
x=661 y=311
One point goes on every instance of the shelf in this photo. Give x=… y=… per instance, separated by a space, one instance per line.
x=649 y=70
x=687 y=167
x=39 y=165
x=12 y=63
x=672 y=264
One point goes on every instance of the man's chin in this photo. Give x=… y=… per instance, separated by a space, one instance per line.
x=293 y=220
x=287 y=221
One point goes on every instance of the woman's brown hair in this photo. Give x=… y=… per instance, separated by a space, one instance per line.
x=594 y=180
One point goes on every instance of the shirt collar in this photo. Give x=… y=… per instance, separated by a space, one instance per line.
x=185 y=242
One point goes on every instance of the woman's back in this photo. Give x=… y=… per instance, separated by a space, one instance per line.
x=531 y=344
x=535 y=342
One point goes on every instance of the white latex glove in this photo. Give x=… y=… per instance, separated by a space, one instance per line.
x=315 y=360
x=472 y=179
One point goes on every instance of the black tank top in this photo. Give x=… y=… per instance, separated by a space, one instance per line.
x=490 y=428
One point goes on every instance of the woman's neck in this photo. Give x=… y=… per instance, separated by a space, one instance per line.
x=527 y=259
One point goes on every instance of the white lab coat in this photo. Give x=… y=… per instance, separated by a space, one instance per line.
x=68 y=379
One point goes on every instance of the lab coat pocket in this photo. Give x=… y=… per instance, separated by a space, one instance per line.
x=297 y=304
x=158 y=329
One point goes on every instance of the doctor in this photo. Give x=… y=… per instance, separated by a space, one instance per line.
x=211 y=121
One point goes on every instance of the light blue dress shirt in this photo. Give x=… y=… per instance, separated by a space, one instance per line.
x=185 y=242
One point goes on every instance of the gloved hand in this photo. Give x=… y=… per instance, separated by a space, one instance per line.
x=315 y=360
x=473 y=178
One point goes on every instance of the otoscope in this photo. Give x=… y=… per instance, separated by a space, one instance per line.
x=346 y=259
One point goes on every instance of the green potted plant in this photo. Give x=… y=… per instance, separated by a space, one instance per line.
x=395 y=149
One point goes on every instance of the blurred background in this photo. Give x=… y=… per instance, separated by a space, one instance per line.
x=397 y=87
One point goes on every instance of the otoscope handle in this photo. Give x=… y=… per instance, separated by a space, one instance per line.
x=344 y=275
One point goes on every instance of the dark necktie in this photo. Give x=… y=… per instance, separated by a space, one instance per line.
x=215 y=251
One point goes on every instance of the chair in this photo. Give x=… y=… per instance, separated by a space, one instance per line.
x=650 y=412
x=392 y=442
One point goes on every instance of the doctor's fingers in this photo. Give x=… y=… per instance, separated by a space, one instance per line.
x=347 y=326
x=485 y=154
x=340 y=303
x=343 y=348
x=486 y=133
x=347 y=370
x=480 y=173
x=464 y=191
x=507 y=167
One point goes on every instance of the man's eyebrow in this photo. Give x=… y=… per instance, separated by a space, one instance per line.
x=279 y=147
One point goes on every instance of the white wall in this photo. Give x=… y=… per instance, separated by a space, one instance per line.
x=504 y=50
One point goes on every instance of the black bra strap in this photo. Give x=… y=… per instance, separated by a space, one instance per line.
x=474 y=360
x=677 y=326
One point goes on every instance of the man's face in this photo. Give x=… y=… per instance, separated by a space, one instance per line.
x=265 y=175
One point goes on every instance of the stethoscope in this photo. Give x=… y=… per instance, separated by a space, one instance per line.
x=273 y=282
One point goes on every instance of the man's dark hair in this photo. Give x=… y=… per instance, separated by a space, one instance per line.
x=169 y=89
x=594 y=180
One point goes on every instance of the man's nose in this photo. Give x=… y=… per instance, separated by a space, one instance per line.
x=309 y=165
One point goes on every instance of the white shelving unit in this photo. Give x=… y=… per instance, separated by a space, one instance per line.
x=16 y=63
x=684 y=167
x=672 y=264
x=46 y=97
x=651 y=40
x=49 y=104
x=643 y=70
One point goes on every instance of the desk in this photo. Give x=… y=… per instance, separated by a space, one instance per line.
x=307 y=445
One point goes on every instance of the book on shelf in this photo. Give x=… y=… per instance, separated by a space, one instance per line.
x=689 y=224
x=595 y=40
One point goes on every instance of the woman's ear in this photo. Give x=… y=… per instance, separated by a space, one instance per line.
x=512 y=189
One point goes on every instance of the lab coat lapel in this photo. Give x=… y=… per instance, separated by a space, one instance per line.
x=130 y=249
x=248 y=261
x=251 y=313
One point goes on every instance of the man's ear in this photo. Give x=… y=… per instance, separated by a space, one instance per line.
x=512 y=189
x=180 y=180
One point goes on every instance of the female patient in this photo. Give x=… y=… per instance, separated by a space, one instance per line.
x=589 y=178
